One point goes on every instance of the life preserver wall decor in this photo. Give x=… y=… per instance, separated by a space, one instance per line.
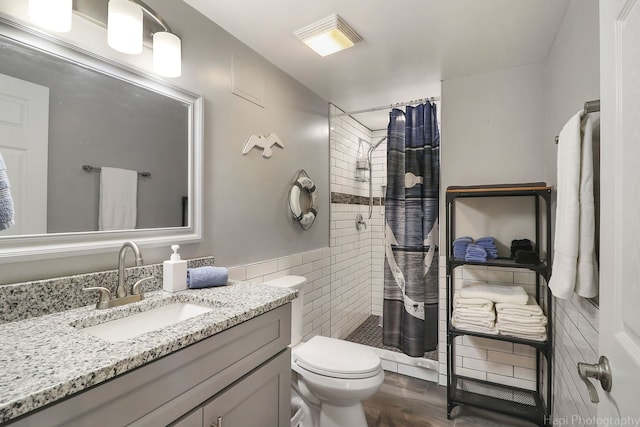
x=303 y=183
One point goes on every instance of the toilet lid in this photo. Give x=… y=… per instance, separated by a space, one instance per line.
x=336 y=358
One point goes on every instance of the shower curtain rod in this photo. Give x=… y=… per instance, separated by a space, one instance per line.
x=388 y=107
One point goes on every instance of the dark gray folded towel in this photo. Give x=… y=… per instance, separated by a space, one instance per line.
x=6 y=202
x=526 y=257
x=207 y=277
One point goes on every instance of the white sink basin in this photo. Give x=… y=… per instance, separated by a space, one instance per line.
x=147 y=321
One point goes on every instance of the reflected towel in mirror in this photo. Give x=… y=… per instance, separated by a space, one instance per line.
x=118 y=199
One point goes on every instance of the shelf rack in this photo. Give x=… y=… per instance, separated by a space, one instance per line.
x=533 y=405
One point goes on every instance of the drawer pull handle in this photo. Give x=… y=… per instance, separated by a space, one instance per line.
x=218 y=423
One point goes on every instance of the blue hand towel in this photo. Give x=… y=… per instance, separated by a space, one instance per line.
x=206 y=277
x=6 y=202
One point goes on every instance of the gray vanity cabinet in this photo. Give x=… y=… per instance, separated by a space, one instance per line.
x=241 y=375
x=252 y=401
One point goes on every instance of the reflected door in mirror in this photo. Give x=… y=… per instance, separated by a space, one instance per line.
x=24 y=124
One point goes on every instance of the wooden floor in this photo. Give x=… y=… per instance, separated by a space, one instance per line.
x=406 y=402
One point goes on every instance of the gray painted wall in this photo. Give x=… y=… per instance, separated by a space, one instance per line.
x=492 y=131
x=245 y=197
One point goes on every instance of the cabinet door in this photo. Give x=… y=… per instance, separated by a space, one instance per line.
x=262 y=398
x=192 y=419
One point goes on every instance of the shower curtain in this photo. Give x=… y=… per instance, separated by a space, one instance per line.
x=410 y=307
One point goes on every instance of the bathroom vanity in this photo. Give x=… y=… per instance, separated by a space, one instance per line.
x=230 y=366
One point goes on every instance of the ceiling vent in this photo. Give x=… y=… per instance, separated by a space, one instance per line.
x=329 y=35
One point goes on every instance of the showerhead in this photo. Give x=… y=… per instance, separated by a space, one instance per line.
x=373 y=147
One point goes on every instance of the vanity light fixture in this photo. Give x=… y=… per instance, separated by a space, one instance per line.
x=54 y=15
x=125 y=29
x=329 y=35
x=167 y=47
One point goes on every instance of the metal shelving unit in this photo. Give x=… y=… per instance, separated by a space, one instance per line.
x=533 y=405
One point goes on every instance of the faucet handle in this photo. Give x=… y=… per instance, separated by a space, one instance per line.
x=136 y=289
x=105 y=295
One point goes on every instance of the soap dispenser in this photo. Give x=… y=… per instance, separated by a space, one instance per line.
x=174 y=272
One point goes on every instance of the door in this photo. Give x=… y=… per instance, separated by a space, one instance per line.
x=24 y=140
x=620 y=208
x=262 y=398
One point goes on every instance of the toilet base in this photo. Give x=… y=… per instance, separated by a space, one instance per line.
x=341 y=416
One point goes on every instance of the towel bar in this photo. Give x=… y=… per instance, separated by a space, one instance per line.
x=89 y=168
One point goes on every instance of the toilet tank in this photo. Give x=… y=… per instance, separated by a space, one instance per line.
x=297 y=283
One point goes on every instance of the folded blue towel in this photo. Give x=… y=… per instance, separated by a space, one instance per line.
x=463 y=239
x=487 y=239
x=6 y=202
x=206 y=277
x=475 y=258
x=486 y=244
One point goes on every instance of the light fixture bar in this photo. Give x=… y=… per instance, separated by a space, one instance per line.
x=153 y=15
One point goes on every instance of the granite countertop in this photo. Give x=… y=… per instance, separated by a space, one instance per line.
x=44 y=359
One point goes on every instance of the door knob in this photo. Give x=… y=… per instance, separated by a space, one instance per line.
x=601 y=371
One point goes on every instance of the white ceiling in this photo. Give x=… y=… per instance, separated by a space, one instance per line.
x=408 y=47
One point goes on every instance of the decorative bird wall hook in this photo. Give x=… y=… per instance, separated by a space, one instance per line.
x=264 y=142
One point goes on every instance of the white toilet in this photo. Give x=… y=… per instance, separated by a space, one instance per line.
x=330 y=377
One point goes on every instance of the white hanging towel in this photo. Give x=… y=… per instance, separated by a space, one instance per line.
x=118 y=199
x=574 y=267
x=587 y=272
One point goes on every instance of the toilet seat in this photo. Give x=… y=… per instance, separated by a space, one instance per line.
x=336 y=358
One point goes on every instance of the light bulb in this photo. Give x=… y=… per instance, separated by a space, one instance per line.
x=124 y=26
x=167 y=54
x=54 y=15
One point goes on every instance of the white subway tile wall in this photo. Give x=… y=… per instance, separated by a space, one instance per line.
x=351 y=249
x=316 y=267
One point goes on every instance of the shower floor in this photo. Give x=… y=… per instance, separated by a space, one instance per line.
x=369 y=333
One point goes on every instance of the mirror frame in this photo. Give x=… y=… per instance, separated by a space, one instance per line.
x=57 y=245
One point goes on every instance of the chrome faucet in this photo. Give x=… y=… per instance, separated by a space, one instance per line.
x=122 y=297
x=121 y=291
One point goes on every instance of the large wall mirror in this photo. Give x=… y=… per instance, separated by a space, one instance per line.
x=64 y=115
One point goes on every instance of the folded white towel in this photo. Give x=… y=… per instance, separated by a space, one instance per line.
x=473 y=303
x=496 y=293
x=518 y=328
x=118 y=199
x=474 y=314
x=534 y=337
x=521 y=320
x=485 y=323
x=474 y=328
x=530 y=309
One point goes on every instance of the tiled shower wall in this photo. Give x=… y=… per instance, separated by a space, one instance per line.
x=350 y=248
